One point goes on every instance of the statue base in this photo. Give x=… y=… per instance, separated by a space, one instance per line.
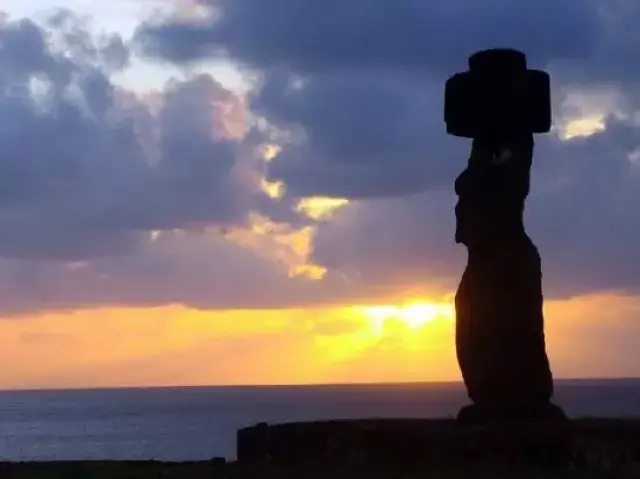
x=421 y=444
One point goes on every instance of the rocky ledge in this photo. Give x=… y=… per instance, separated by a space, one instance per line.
x=589 y=444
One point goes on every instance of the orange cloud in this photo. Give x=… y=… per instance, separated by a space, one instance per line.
x=280 y=243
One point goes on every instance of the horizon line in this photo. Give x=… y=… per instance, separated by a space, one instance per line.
x=290 y=386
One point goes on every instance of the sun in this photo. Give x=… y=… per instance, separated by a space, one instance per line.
x=415 y=316
x=410 y=327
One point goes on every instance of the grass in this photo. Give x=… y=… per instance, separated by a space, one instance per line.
x=201 y=470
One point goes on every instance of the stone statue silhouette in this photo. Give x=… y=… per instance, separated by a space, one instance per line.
x=500 y=338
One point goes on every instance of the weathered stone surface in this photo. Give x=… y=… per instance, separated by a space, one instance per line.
x=412 y=443
x=500 y=340
x=498 y=96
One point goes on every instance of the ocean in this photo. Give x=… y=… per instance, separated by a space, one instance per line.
x=179 y=424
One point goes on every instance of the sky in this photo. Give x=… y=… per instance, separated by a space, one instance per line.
x=216 y=192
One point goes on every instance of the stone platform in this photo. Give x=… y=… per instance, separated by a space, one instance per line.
x=593 y=443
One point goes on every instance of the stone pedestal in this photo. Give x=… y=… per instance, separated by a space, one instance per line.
x=415 y=444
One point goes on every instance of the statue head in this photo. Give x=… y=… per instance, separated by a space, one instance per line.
x=499 y=97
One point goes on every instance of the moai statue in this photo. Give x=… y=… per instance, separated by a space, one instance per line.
x=500 y=341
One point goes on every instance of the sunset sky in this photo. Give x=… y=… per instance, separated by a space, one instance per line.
x=199 y=192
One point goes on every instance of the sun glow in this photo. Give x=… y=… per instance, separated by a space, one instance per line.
x=583 y=127
x=415 y=316
x=413 y=328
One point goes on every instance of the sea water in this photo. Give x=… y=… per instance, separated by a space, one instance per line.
x=179 y=424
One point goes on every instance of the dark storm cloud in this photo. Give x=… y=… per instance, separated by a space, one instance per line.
x=584 y=213
x=360 y=82
x=363 y=135
x=375 y=34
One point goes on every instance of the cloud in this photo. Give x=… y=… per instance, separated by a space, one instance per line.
x=374 y=34
x=143 y=200
x=108 y=196
x=396 y=246
x=583 y=213
x=361 y=135
x=87 y=167
x=358 y=87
